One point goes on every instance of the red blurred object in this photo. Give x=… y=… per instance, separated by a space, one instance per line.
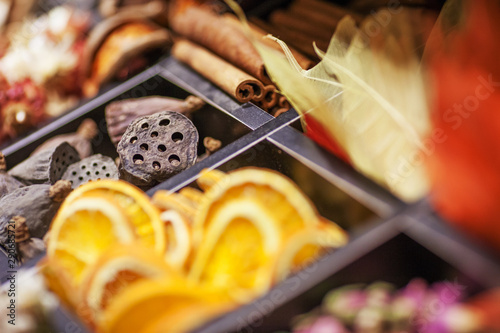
x=464 y=169
x=22 y=106
x=317 y=132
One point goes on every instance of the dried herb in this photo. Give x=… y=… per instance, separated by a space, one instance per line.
x=80 y=140
x=37 y=203
x=121 y=113
x=156 y=147
x=27 y=247
x=7 y=182
x=211 y=146
x=95 y=167
x=46 y=167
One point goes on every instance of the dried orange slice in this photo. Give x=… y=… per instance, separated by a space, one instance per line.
x=178 y=238
x=118 y=269
x=166 y=200
x=208 y=178
x=134 y=203
x=243 y=221
x=306 y=246
x=159 y=302
x=83 y=230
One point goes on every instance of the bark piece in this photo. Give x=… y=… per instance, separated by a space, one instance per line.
x=46 y=167
x=156 y=147
x=95 y=167
x=120 y=114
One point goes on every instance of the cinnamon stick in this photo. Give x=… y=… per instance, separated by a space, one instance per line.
x=216 y=34
x=260 y=35
x=294 y=22
x=327 y=8
x=232 y=80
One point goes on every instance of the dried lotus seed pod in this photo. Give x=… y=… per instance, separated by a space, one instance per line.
x=81 y=140
x=157 y=147
x=37 y=203
x=46 y=167
x=95 y=167
x=7 y=182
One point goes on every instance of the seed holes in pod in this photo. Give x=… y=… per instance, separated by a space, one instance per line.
x=174 y=160
x=71 y=182
x=133 y=140
x=177 y=137
x=59 y=169
x=63 y=163
x=94 y=165
x=88 y=173
x=74 y=173
x=164 y=122
x=144 y=147
x=107 y=175
x=162 y=148
x=154 y=134
x=145 y=125
x=97 y=173
x=80 y=178
x=57 y=160
x=138 y=159
x=156 y=165
x=71 y=157
x=64 y=154
x=104 y=167
x=83 y=167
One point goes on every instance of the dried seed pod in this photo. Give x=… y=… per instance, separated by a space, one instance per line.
x=7 y=182
x=211 y=146
x=37 y=203
x=27 y=247
x=156 y=147
x=80 y=140
x=116 y=47
x=95 y=167
x=47 y=167
x=120 y=114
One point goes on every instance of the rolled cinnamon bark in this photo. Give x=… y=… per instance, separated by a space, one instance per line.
x=232 y=80
x=295 y=22
x=260 y=35
x=327 y=8
x=214 y=33
x=283 y=102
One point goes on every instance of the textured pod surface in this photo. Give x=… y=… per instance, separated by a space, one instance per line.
x=46 y=167
x=156 y=147
x=8 y=184
x=32 y=202
x=95 y=167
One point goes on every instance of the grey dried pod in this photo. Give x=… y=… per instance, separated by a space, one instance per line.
x=120 y=114
x=81 y=140
x=37 y=203
x=46 y=167
x=95 y=167
x=27 y=247
x=156 y=147
x=7 y=182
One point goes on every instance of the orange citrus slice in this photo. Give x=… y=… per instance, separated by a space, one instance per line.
x=178 y=238
x=306 y=246
x=116 y=270
x=147 y=303
x=243 y=222
x=83 y=230
x=166 y=200
x=208 y=178
x=133 y=202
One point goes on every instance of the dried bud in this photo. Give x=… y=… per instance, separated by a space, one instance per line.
x=3 y=164
x=88 y=129
x=60 y=190
x=211 y=146
x=156 y=147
